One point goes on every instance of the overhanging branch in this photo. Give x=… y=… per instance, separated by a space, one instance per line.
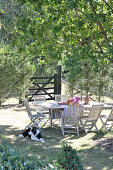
x=103 y=33
x=108 y=5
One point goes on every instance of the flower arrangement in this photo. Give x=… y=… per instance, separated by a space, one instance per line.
x=74 y=100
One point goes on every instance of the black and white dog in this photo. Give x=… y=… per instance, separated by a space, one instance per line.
x=32 y=133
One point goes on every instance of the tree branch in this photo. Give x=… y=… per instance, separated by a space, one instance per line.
x=63 y=44
x=100 y=26
x=108 y=5
x=99 y=46
x=80 y=11
x=101 y=31
x=97 y=43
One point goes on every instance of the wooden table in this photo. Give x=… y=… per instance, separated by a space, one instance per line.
x=51 y=106
x=105 y=106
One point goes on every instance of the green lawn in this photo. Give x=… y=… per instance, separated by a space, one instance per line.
x=92 y=155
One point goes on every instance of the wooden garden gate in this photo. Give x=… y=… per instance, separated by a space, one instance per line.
x=48 y=86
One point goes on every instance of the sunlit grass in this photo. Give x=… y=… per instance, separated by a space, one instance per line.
x=91 y=154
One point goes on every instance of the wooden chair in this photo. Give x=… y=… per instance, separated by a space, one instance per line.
x=39 y=98
x=70 y=119
x=39 y=108
x=60 y=98
x=108 y=123
x=89 y=121
x=35 y=118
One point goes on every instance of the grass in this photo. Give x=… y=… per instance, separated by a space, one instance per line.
x=93 y=157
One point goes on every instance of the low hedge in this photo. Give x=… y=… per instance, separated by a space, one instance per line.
x=68 y=159
x=10 y=159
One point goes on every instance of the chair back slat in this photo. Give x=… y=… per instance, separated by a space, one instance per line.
x=111 y=115
x=27 y=108
x=95 y=112
x=36 y=119
x=72 y=112
x=60 y=98
x=39 y=108
x=38 y=98
x=70 y=119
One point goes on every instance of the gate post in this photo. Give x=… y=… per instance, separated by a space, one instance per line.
x=55 y=83
x=59 y=71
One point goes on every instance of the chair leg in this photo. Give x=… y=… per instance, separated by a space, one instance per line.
x=62 y=126
x=35 y=122
x=63 y=132
x=77 y=130
x=40 y=120
x=44 y=124
x=104 y=126
x=28 y=125
x=36 y=125
x=110 y=127
x=62 y=129
x=96 y=128
x=83 y=126
x=32 y=124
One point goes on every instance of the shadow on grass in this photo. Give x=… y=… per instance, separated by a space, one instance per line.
x=8 y=106
x=15 y=107
x=96 y=159
x=52 y=136
x=99 y=135
x=91 y=157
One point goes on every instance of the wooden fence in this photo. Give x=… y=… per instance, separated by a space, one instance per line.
x=48 y=86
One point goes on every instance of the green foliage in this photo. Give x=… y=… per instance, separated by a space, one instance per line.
x=74 y=33
x=68 y=158
x=86 y=75
x=15 y=66
x=10 y=158
x=15 y=72
x=63 y=25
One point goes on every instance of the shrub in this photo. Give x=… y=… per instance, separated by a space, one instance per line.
x=67 y=158
x=11 y=159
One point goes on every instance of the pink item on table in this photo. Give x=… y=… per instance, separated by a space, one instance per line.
x=76 y=100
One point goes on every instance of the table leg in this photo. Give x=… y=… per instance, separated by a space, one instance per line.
x=51 y=111
x=53 y=115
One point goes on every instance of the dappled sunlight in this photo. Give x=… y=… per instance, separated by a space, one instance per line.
x=94 y=157
x=99 y=135
x=88 y=168
x=11 y=101
x=14 y=122
x=11 y=138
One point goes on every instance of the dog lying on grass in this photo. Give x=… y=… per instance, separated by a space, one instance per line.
x=32 y=133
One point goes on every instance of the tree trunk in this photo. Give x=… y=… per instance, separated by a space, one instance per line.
x=0 y=103
x=21 y=102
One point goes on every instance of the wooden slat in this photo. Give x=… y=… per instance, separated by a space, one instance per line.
x=31 y=99
x=48 y=88
x=43 y=94
x=47 y=77
x=45 y=83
